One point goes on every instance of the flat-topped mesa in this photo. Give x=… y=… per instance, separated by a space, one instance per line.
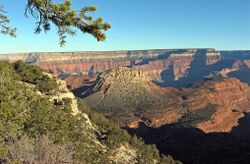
x=123 y=89
x=124 y=75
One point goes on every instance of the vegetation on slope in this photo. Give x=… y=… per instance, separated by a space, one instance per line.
x=34 y=129
x=111 y=135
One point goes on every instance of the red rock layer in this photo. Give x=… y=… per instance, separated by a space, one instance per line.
x=232 y=99
x=227 y=99
x=83 y=68
x=154 y=68
x=181 y=67
x=76 y=81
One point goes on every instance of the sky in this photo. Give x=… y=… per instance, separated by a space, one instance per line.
x=141 y=24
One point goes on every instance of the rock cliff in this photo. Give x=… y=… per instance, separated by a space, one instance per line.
x=169 y=67
x=189 y=102
x=189 y=123
x=127 y=95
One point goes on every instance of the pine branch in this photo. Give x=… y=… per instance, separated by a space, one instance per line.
x=65 y=19
x=4 y=21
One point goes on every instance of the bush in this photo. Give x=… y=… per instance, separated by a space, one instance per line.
x=34 y=75
x=33 y=129
x=113 y=136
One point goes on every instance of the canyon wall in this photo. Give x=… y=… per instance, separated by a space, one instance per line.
x=213 y=105
x=167 y=67
x=194 y=123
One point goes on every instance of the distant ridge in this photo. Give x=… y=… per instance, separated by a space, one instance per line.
x=167 y=67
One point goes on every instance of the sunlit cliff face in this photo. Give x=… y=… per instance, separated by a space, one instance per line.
x=176 y=68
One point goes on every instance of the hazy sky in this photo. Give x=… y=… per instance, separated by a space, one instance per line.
x=143 y=24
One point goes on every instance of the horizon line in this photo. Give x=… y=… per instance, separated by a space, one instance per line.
x=16 y=53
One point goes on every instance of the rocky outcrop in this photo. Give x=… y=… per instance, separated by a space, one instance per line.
x=128 y=96
x=122 y=88
x=232 y=100
x=124 y=154
x=190 y=123
x=62 y=93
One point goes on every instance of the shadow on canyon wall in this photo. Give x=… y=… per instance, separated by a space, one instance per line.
x=84 y=90
x=243 y=75
x=235 y=55
x=162 y=56
x=193 y=146
x=198 y=70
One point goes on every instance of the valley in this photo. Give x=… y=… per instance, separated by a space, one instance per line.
x=125 y=82
x=191 y=103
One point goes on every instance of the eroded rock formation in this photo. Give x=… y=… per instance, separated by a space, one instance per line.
x=189 y=123
x=128 y=96
x=170 y=67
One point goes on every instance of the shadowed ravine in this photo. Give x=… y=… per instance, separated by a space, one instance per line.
x=191 y=145
x=198 y=70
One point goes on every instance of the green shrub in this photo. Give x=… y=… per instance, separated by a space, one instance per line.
x=25 y=117
x=113 y=136
x=34 y=75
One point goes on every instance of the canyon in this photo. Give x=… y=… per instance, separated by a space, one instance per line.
x=193 y=104
x=166 y=67
x=202 y=123
x=129 y=97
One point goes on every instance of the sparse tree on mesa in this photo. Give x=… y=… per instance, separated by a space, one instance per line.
x=67 y=20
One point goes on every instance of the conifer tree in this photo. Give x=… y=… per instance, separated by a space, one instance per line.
x=4 y=28
x=65 y=19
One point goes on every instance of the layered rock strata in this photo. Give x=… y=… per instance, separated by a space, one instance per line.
x=127 y=96
x=168 y=67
